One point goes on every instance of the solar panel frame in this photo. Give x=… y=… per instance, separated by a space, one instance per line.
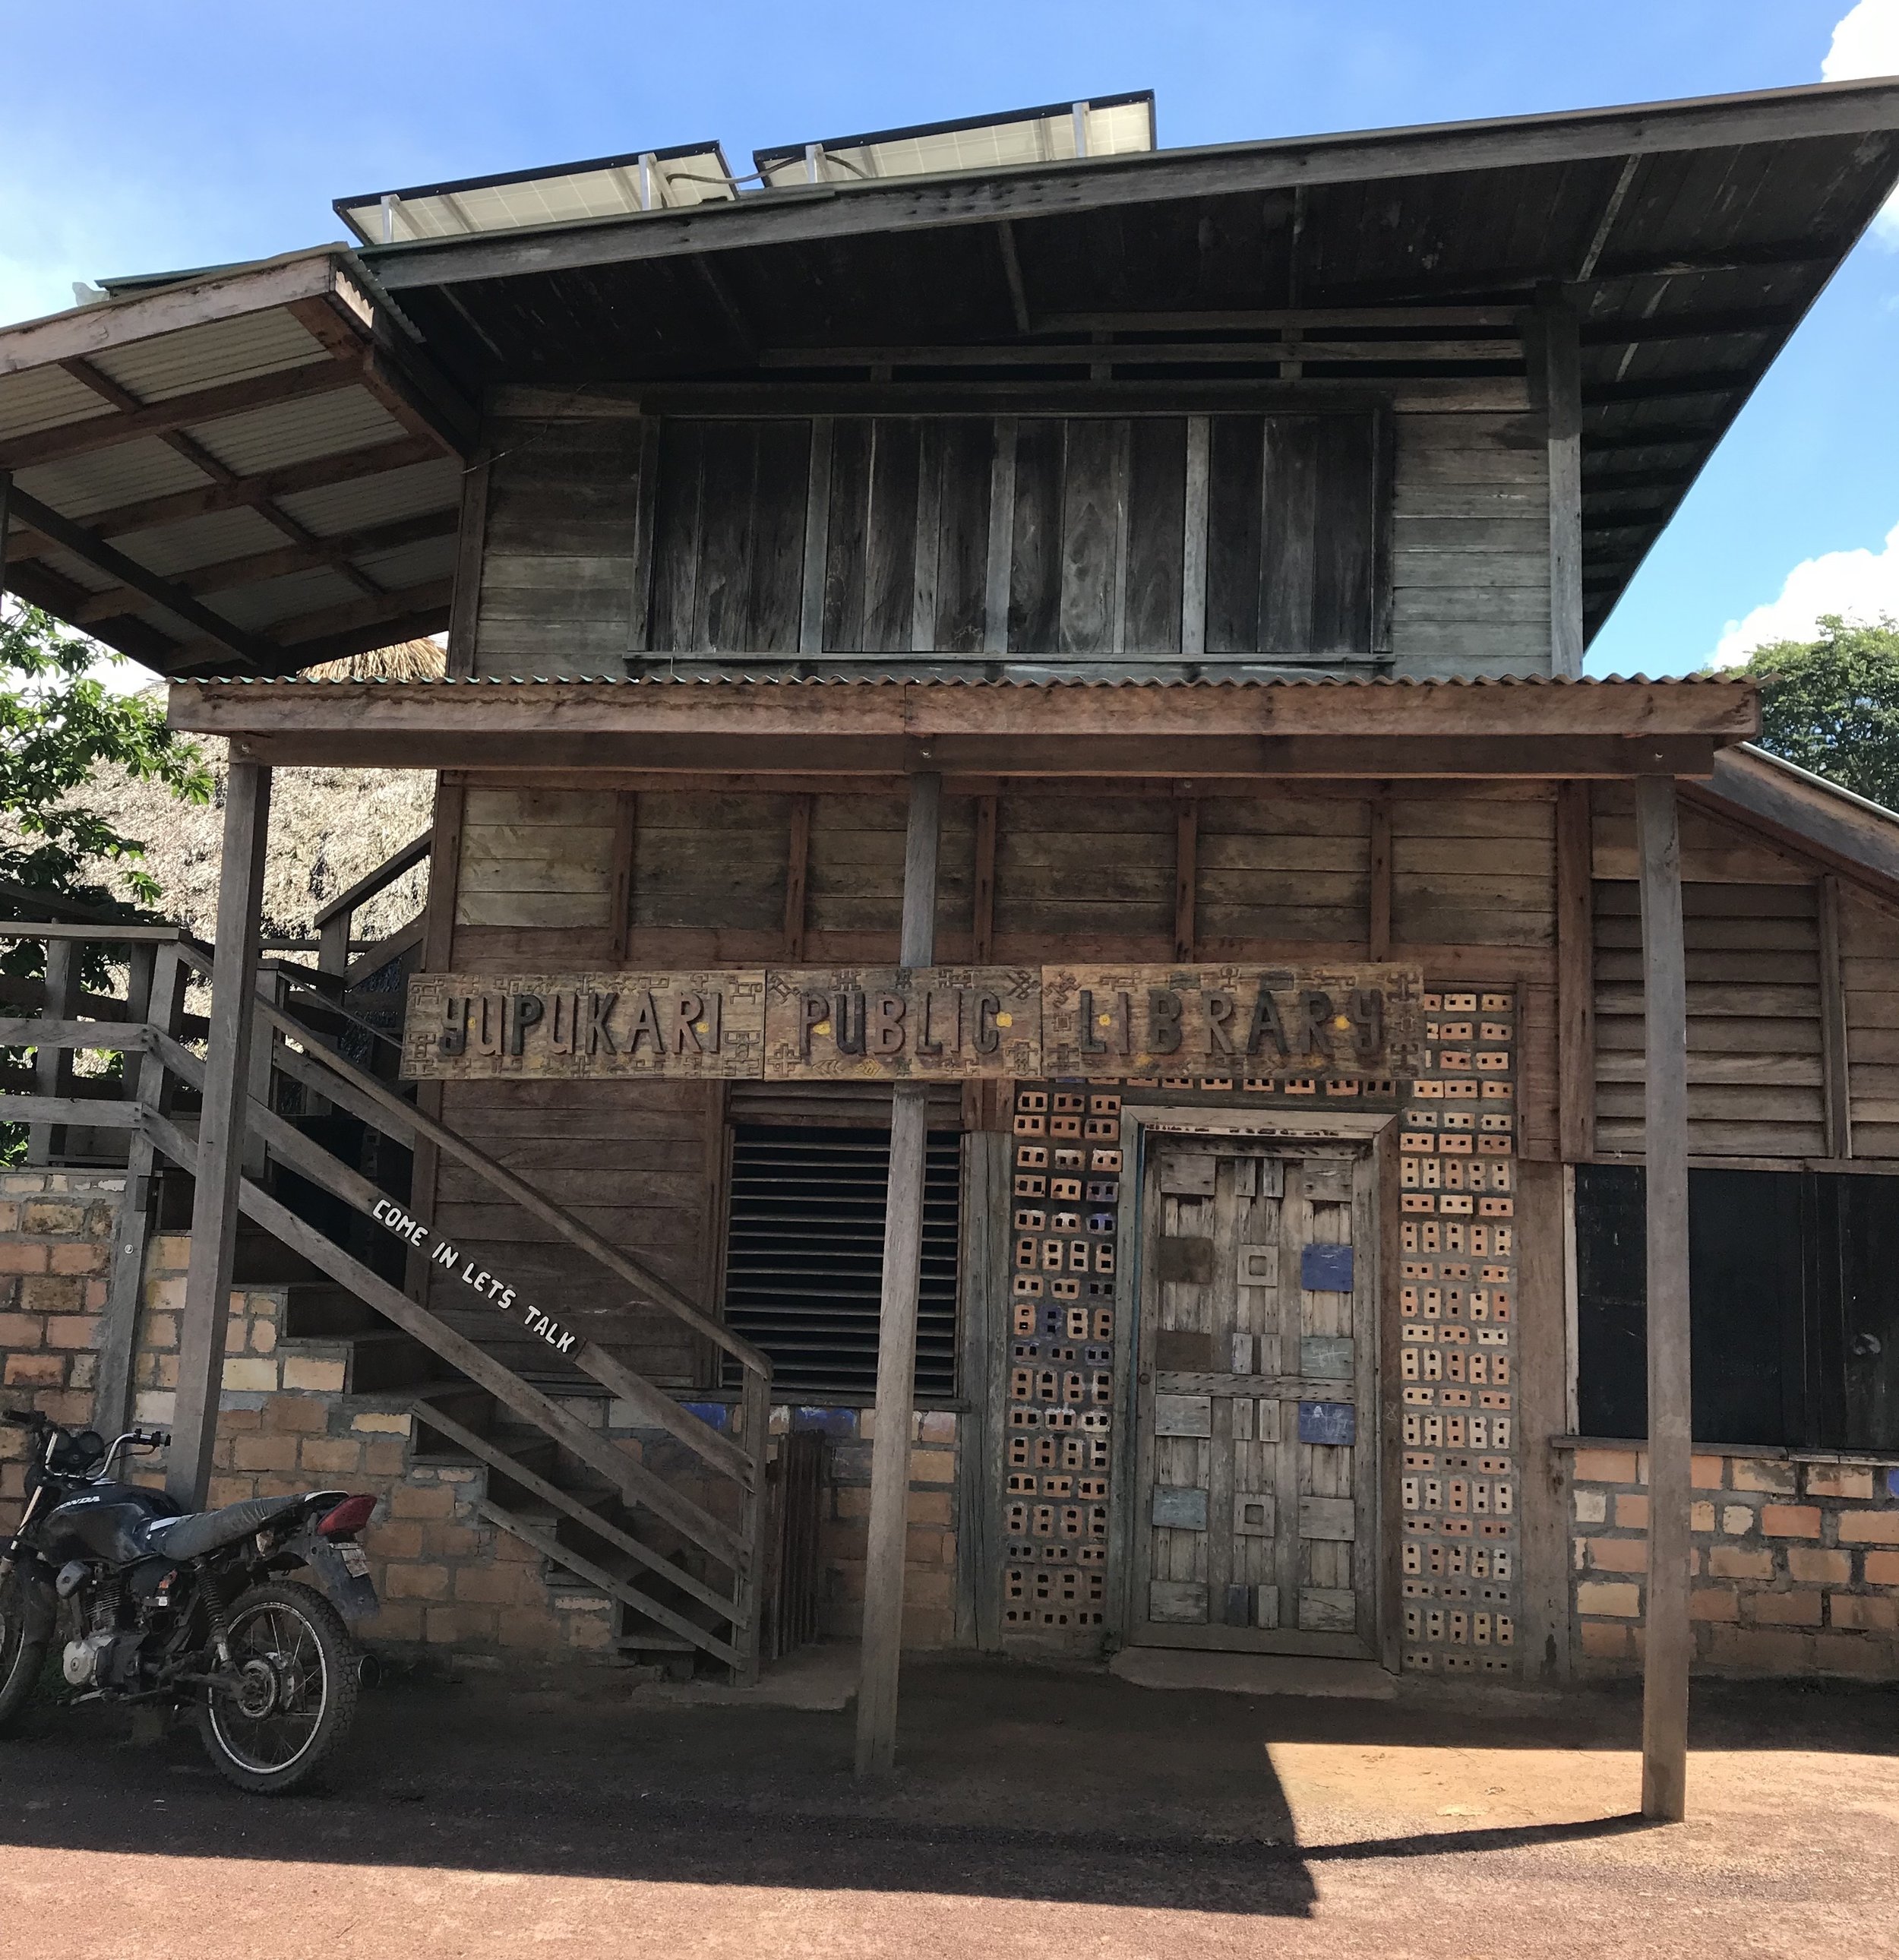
x=363 y=213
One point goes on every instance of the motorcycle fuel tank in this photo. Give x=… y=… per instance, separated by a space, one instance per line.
x=103 y=1521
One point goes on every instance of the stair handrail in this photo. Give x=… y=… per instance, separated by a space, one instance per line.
x=333 y=921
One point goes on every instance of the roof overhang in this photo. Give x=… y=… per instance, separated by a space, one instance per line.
x=1383 y=729
x=248 y=470
x=1690 y=237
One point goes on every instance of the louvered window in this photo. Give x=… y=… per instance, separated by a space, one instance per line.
x=804 y=1253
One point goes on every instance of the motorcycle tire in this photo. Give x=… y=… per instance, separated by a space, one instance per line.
x=301 y=1671
x=22 y=1656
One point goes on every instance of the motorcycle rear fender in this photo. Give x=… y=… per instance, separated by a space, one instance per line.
x=40 y=1605
x=354 y=1599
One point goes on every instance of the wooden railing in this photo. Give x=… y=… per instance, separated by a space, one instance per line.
x=150 y=1029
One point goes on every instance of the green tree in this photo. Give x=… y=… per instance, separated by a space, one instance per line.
x=60 y=722
x=1831 y=704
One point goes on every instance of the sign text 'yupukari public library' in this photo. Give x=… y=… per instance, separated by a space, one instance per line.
x=871 y=1023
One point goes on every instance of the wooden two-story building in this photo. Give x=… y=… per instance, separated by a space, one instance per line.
x=1043 y=985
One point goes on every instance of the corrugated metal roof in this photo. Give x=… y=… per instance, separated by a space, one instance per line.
x=45 y=398
x=1403 y=683
x=272 y=438
x=126 y=473
x=377 y=500
x=226 y=534
x=219 y=351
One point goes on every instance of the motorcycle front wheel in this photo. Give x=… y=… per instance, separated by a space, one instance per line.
x=295 y=1696
x=21 y=1655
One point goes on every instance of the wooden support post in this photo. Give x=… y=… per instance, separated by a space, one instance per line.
x=797 y=867
x=897 y=1323
x=1378 y=936
x=1186 y=878
x=162 y=988
x=438 y=955
x=260 y=1076
x=1575 y=974
x=221 y=1133
x=53 y=1067
x=1835 y=1063
x=1668 y=1639
x=332 y=944
x=1562 y=388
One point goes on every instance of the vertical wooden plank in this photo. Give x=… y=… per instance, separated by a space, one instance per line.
x=1288 y=546
x=465 y=604
x=729 y=540
x=927 y=544
x=1092 y=501
x=1669 y=1640
x=1034 y=570
x=1575 y=974
x=847 y=533
x=876 y=1739
x=1835 y=1077
x=1384 y=505
x=817 y=525
x=112 y=1406
x=1378 y=933
x=1236 y=452
x=1344 y=541
x=1186 y=880
x=890 y=585
x=1193 y=542
x=1002 y=524
x=1562 y=379
x=444 y=876
x=260 y=1082
x=53 y=1067
x=221 y=1134
x=626 y=818
x=1157 y=518
x=982 y=921
x=1122 y=455
x=646 y=495
x=678 y=542
x=796 y=869
x=964 y=537
x=781 y=498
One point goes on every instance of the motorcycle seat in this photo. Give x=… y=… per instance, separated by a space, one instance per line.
x=205 y=1531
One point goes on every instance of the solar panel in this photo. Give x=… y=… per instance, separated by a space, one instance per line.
x=555 y=194
x=1106 y=127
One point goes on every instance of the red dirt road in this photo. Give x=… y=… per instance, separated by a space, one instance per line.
x=1038 y=1813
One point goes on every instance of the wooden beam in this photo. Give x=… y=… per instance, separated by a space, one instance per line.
x=1667 y=1637
x=1378 y=935
x=385 y=874
x=982 y=897
x=798 y=866
x=1095 y=355
x=1000 y=557
x=1855 y=837
x=1562 y=390
x=87 y=437
x=421 y=400
x=1231 y=171
x=1277 y=319
x=877 y=1741
x=1012 y=275
x=357 y=624
x=626 y=821
x=1835 y=1064
x=114 y=563
x=1575 y=974
x=52 y=1064
x=1186 y=879
x=220 y=1135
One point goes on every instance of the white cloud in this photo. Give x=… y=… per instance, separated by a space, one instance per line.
x=1859 y=584
x=1866 y=43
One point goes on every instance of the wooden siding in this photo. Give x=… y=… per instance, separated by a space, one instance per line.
x=1265 y=535
x=1869 y=968
x=536 y=858
x=1755 y=1082
x=1470 y=545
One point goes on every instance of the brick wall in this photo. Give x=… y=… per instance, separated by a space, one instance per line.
x=1796 y=1564
x=449 y=1579
x=55 y=1239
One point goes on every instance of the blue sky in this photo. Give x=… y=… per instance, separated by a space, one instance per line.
x=140 y=137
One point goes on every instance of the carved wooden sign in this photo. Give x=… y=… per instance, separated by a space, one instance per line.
x=1142 y=1021
x=887 y=1023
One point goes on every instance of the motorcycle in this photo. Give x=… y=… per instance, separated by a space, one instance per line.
x=164 y=1608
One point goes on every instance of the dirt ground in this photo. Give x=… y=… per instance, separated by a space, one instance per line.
x=1037 y=1812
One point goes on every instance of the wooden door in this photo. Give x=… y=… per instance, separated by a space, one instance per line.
x=1255 y=1408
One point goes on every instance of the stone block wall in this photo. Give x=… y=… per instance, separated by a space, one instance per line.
x=1796 y=1562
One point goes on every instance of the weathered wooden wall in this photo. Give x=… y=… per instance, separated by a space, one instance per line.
x=1336 y=537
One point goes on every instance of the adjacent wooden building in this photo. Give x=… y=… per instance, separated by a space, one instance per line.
x=1022 y=851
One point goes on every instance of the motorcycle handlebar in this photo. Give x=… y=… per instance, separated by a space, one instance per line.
x=23 y=1418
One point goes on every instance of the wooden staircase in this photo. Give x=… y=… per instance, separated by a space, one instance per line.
x=671 y=1533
